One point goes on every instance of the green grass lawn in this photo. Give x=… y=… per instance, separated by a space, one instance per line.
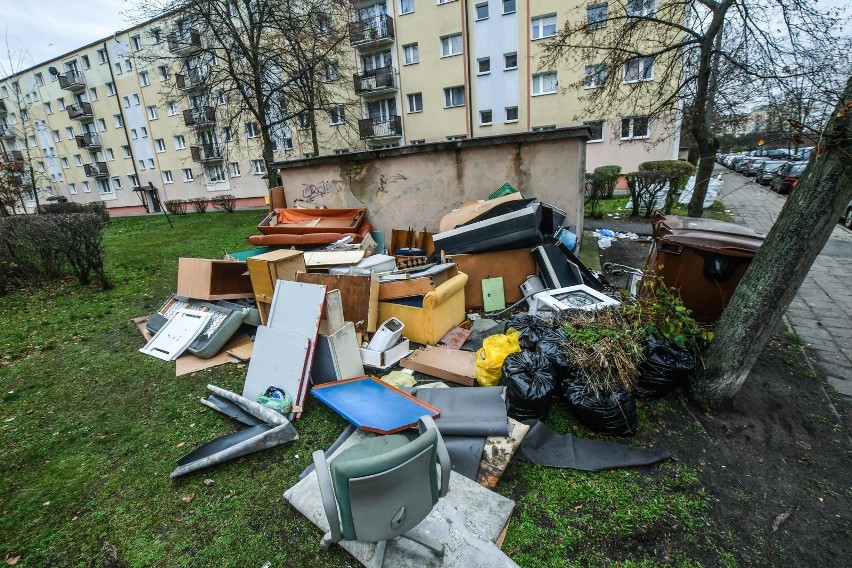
x=91 y=430
x=614 y=209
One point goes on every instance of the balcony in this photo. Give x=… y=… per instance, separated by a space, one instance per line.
x=72 y=81
x=374 y=31
x=3 y=110
x=80 y=111
x=96 y=170
x=206 y=153
x=15 y=156
x=89 y=140
x=374 y=128
x=190 y=81
x=375 y=81
x=184 y=43
x=7 y=132
x=198 y=117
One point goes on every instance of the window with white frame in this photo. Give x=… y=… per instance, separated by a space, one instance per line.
x=594 y=76
x=85 y=60
x=252 y=130
x=639 y=69
x=510 y=61
x=125 y=151
x=110 y=155
x=136 y=42
x=141 y=164
x=40 y=167
x=144 y=80
x=65 y=163
x=410 y=54
x=119 y=121
x=453 y=97
x=509 y=6
x=187 y=174
x=102 y=125
x=283 y=144
x=56 y=136
x=72 y=188
x=86 y=188
x=234 y=169
x=160 y=145
x=153 y=113
x=227 y=133
x=78 y=159
x=118 y=69
x=544 y=83
x=102 y=55
x=406 y=6
x=481 y=11
x=451 y=45
x=135 y=99
x=258 y=167
x=445 y=1
x=634 y=128
x=167 y=176
x=126 y=101
x=415 y=102
x=116 y=183
x=128 y=65
x=640 y=8
x=39 y=79
x=151 y=163
x=61 y=102
x=335 y=115
x=48 y=108
x=543 y=26
x=303 y=121
x=172 y=108
x=157 y=35
x=180 y=142
x=93 y=94
x=485 y=117
x=134 y=181
x=331 y=71
x=110 y=87
x=596 y=129
x=596 y=16
x=163 y=71
x=512 y=114
x=483 y=66
x=134 y=133
x=215 y=173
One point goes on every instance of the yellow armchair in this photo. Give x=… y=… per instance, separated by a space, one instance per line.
x=442 y=309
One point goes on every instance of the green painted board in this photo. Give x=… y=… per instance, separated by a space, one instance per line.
x=492 y=294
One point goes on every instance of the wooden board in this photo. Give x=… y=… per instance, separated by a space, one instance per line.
x=360 y=296
x=513 y=265
x=445 y=363
x=414 y=286
x=207 y=279
x=316 y=259
x=265 y=269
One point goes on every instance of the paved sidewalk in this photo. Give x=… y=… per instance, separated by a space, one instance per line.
x=821 y=313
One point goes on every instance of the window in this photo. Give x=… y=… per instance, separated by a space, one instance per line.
x=509 y=6
x=634 y=127
x=33 y=143
x=411 y=54
x=125 y=151
x=163 y=71
x=153 y=114
x=485 y=117
x=596 y=16
x=172 y=108
x=483 y=66
x=72 y=188
x=102 y=55
x=25 y=115
x=61 y=102
x=415 y=102
x=157 y=35
x=86 y=188
x=417 y=142
x=85 y=60
x=445 y=1
x=220 y=97
x=167 y=176
x=323 y=24
x=134 y=181
x=160 y=144
x=65 y=163
x=215 y=173
x=481 y=11
x=126 y=101
x=40 y=167
x=93 y=94
x=136 y=42
x=510 y=61
x=119 y=121
x=258 y=167
x=639 y=69
x=78 y=159
x=544 y=127
x=135 y=98
x=339 y=151
x=252 y=130
x=331 y=72
x=134 y=134
x=4 y=91
x=110 y=155
x=283 y=144
x=453 y=97
x=451 y=45
x=303 y=121
x=640 y=8
x=511 y=114
x=335 y=115
x=596 y=128
x=144 y=80
x=110 y=87
x=406 y=6
x=116 y=183
x=187 y=174
x=307 y=155
x=48 y=108
x=543 y=26
x=101 y=125
x=39 y=79
x=69 y=132
x=544 y=83
x=594 y=76
x=180 y=143
x=141 y=164
x=234 y=169
x=118 y=69
x=128 y=65
x=227 y=133
x=56 y=136
x=144 y=131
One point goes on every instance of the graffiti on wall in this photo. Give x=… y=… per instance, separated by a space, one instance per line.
x=311 y=191
x=384 y=181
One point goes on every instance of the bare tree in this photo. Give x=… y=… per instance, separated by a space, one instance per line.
x=705 y=59
x=11 y=186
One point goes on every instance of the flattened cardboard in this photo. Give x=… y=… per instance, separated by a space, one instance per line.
x=360 y=295
x=449 y=364
x=140 y=325
x=513 y=265
x=208 y=279
x=189 y=363
x=472 y=209
x=414 y=286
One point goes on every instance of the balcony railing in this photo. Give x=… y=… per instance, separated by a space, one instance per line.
x=190 y=80
x=80 y=111
x=206 y=152
x=16 y=156
x=375 y=81
x=72 y=81
x=372 y=30
x=88 y=140
x=184 y=43
x=7 y=132
x=96 y=170
x=370 y=128
x=196 y=117
x=3 y=108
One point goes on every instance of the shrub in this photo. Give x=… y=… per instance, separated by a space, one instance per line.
x=608 y=177
x=176 y=206
x=83 y=245
x=225 y=202
x=199 y=204
x=645 y=188
x=97 y=207
x=678 y=173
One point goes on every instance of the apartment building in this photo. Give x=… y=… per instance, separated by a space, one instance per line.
x=134 y=110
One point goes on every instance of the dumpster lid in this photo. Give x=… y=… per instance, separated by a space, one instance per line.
x=709 y=235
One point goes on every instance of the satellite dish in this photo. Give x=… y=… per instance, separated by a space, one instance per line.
x=53 y=71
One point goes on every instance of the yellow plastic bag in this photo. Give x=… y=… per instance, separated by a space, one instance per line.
x=489 y=359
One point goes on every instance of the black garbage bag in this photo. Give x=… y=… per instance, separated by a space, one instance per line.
x=530 y=385
x=550 y=345
x=532 y=328
x=615 y=414
x=665 y=367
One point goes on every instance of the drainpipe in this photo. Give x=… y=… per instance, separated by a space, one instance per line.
x=467 y=72
x=121 y=109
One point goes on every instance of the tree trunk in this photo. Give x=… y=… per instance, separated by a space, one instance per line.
x=780 y=267
x=707 y=155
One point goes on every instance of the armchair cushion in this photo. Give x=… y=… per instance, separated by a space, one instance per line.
x=428 y=321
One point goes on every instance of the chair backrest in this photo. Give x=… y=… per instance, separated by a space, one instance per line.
x=386 y=495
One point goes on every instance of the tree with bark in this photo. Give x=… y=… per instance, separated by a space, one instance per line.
x=700 y=59
x=11 y=186
x=264 y=65
x=780 y=266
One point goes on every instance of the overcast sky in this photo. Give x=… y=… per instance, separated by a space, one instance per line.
x=49 y=28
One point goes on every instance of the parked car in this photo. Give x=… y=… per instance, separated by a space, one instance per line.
x=741 y=164
x=847 y=218
x=766 y=170
x=752 y=165
x=735 y=163
x=787 y=177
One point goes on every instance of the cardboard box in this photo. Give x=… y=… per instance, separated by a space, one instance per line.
x=414 y=286
x=206 y=279
x=265 y=269
x=445 y=363
x=512 y=265
x=384 y=359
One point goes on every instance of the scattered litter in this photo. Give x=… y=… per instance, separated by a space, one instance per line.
x=399 y=379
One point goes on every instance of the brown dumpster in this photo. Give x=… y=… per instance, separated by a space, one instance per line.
x=704 y=259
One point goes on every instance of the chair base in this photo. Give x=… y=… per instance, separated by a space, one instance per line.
x=427 y=541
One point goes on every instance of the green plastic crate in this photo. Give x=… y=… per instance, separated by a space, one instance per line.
x=504 y=190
